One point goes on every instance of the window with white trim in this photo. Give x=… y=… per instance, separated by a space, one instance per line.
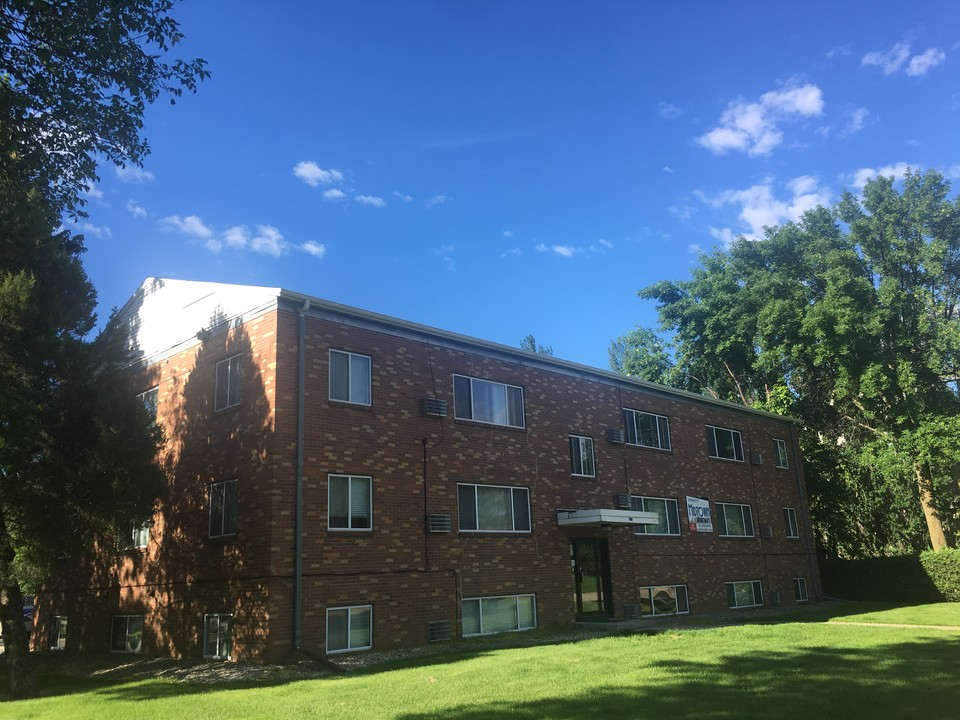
x=735 y=520
x=667 y=513
x=487 y=402
x=350 y=503
x=58 y=632
x=800 y=589
x=780 y=453
x=746 y=593
x=140 y=535
x=349 y=377
x=349 y=628
x=664 y=600
x=217 y=635
x=581 y=456
x=223 y=508
x=126 y=634
x=493 y=508
x=646 y=429
x=790 y=522
x=227 y=392
x=506 y=613
x=150 y=400
x=724 y=443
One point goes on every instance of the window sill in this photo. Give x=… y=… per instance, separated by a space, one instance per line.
x=487 y=425
x=666 y=451
x=738 y=537
x=729 y=460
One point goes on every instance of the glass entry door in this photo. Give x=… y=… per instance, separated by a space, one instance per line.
x=591 y=578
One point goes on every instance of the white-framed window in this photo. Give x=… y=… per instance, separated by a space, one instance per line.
x=350 y=377
x=217 y=635
x=735 y=520
x=487 y=402
x=800 y=589
x=790 y=522
x=666 y=510
x=140 y=535
x=151 y=402
x=58 y=632
x=228 y=383
x=581 y=456
x=126 y=634
x=350 y=502
x=664 y=600
x=646 y=429
x=724 y=443
x=746 y=593
x=780 y=453
x=349 y=628
x=504 y=613
x=493 y=508
x=223 y=508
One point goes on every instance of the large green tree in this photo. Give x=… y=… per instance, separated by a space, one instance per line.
x=847 y=320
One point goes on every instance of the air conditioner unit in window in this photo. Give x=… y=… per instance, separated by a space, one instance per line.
x=622 y=501
x=756 y=458
x=615 y=436
x=433 y=407
x=766 y=531
x=438 y=523
x=439 y=630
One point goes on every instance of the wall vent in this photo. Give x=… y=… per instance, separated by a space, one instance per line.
x=775 y=599
x=615 y=436
x=438 y=523
x=433 y=407
x=622 y=501
x=439 y=630
x=756 y=458
x=766 y=531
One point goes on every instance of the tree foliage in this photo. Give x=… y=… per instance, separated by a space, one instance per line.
x=75 y=78
x=847 y=320
x=529 y=343
x=641 y=353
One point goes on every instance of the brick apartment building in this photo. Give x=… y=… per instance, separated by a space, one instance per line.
x=342 y=480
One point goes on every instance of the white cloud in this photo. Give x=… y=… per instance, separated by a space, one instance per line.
x=445 y=252
x=371 y=200
x=752 y=127
x=561 y=250
x=237 y=237
x=136 y=209
x=98 y=231
x=437 y=200
x=606 y=243
x=508 y=233
x=861 y=176
x=922 y=64
x=313 y=175
x=759 y=208
x=334 y=194
x=133 y=175
x=94 y=192
x=855 y=120
x=954 y=172
x=268 y=241
x=190 y=225
x=725 y=236
x=667 y=169
x=694 y=248
x=318 y=250
x=512 y=252
x=668 y=111
x=213 y=245
x=403 y=197
x=684 y=212
x=839 y=51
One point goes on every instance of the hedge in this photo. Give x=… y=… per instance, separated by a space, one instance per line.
x=931 y=577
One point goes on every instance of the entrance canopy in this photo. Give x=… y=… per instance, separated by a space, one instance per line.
x=598 y=517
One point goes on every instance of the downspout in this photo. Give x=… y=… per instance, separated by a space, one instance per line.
x=298 y=502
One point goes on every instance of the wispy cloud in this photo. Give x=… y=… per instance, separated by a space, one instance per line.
x=101 y=232
x=314 y=175
x=334 y=194
x=136 y=209
x=402 y=197
x=898 y=57
x=752 y=127
x=445 y=253
x=861 y=176
x=566 y=251
x=855 y=120
x=94 y=192
x=318 y=250
x=437 y=200
x=191 y=225
x=508 y=233
x=839 y=51
x=759 y=208
x=922 y=64
x=262 y=239
x=724 y=236
x=133 y=175
x=668 y=111
x=371 y=200
x=684 y=212
x=668 y=169
x=512 y=252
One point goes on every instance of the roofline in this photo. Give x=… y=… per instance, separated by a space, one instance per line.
x=525 y=356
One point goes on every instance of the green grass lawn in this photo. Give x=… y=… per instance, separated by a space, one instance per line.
x=784 y=669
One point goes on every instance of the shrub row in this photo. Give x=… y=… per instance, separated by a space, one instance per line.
x=931 y=577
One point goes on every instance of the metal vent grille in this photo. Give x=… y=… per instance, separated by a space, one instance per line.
x=615 y=436
x=439 y=630
x=433 y=407
x=756 y=458
x=766 y=531
x=438 y=523
x=622 y=501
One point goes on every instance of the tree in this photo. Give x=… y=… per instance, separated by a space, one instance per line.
x=530 y=345
x=847 y=320
x=76 y=78
x=642 y=354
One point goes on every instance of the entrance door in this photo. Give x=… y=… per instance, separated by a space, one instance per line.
x=591 y=578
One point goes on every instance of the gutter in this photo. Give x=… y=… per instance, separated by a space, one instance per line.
x=298 y=502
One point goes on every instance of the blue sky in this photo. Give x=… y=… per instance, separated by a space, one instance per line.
x=505 y=168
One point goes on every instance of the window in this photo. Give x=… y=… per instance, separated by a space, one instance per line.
x=482 y=616
x=217 y=632
x=581 y=456
x=790 y=522
x=646 y=430
x=150 y=400
x=487 y=402
x=58 y=632
x=349 y=377
x=350 y=503
x=800 y=589
x=666 y=510
x=223 y=508
x=664 y=600
x=349 y=628
x=724 y=444
x=228 y=383
x=744 y=594
x=140 y=535
x=126 y=634
x=780 y=452
x=735 y=520
x=494 y=508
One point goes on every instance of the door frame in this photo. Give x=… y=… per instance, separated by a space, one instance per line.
x=601 y=551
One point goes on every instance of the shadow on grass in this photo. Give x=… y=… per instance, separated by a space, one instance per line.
x=902 y=680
